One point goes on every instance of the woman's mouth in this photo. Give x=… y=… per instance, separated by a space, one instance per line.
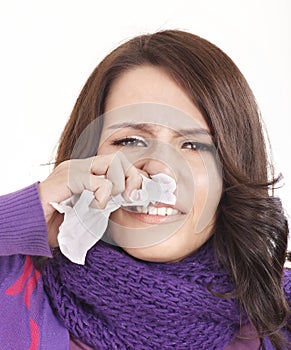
x=153 y=214
x=153 y=210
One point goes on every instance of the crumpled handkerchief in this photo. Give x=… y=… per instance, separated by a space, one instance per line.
x=84 y=226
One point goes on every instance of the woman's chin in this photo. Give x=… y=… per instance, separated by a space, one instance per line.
x=151 y=254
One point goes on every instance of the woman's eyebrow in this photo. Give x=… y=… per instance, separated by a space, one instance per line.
x=151 y=129
x=136 y=126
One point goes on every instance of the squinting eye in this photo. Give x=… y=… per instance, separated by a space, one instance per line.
x=197 y=146
x=130 y=141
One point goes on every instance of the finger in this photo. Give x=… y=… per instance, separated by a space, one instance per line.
x=102 y=194
x=79 y=176
x=133 y=182
x=116 y=174
x=124 y=175
x=101 y=163
x=110 y=166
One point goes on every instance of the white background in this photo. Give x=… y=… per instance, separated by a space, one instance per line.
x=49 y=48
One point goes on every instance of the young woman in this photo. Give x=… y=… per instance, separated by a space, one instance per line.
x=203 y=273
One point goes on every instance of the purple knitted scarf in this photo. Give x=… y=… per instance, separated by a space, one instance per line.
x=116 y=301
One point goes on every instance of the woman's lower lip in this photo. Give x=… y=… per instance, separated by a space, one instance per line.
x=155 y=219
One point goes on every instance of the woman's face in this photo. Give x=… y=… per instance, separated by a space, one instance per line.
x=153 y=122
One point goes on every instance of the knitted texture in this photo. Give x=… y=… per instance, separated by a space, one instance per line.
x=21 y=213
x=115 y=301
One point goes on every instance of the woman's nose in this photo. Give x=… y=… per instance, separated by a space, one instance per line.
x=153 y=166
x=160 y=158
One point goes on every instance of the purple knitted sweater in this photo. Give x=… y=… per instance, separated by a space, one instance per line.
x=26 y=317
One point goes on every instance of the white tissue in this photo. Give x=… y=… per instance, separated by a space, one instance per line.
x=84 y=226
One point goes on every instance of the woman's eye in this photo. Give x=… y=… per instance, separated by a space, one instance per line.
x=198 y=146
x=130 y=141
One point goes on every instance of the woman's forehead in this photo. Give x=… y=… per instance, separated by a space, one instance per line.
x=152 y=116
x=153 y=85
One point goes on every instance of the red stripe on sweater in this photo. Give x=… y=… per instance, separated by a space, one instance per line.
x=18 y=286
x=30 y=287
x=34 y=335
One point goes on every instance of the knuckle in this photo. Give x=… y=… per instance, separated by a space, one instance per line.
x=100 y=204
x=118 y=188
x=108 y=183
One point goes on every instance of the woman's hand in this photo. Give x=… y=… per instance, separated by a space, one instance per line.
x=104 y=175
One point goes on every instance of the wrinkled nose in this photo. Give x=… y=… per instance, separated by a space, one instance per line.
x=166 y=159
x=153 y=167
x=160 y=158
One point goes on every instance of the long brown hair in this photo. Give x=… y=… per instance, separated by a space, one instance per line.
x=250 y=236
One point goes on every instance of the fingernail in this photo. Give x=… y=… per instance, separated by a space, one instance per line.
x=134 y=196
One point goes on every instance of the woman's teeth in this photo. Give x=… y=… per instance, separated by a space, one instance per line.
x=151 y=210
